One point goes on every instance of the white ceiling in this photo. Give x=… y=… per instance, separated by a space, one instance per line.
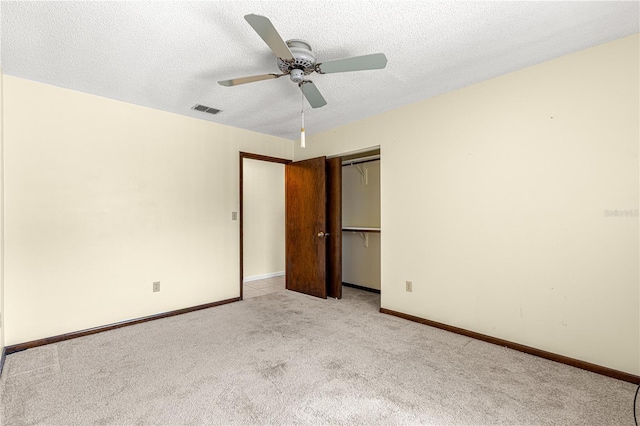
x=170 y=55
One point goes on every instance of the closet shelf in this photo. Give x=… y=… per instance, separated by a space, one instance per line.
x=360 y=229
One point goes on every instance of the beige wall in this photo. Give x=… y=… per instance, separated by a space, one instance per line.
x=1 y=216
x=263 y=219
x=103 y=198
x=493 y=202
x=361 y=207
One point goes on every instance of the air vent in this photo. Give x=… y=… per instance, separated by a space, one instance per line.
x=205 y=108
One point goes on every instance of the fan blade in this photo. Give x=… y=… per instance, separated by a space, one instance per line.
x=374 y=61
x=265 y=29
x=243 y=80
x=312 y=94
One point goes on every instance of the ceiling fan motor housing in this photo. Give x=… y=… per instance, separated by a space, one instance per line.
x=304 y=63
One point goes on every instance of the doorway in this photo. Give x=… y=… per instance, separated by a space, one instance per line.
x=261 y=216
x=312 y=225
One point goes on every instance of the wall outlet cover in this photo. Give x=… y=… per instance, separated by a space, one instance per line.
x=156 y=286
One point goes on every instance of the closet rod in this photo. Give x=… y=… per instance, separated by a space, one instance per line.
x=360 y=160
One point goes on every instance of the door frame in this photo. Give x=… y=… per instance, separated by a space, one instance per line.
x=249 y=156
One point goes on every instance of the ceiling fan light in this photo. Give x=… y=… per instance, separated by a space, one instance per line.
x=297 y=76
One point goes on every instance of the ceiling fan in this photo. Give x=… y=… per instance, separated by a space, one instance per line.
x=296 y=59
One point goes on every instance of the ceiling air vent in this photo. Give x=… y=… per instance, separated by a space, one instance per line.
x=205 y=108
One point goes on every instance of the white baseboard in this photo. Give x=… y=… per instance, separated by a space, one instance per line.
x=262 y=276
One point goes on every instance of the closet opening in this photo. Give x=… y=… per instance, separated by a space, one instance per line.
x=361 y=231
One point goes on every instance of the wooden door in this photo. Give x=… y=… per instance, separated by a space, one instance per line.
x=306 y=225
x=334 y=227
x=313 y=192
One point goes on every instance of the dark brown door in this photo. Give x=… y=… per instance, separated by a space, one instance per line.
x=306 y=226
x=314 y=227
x=334 y=227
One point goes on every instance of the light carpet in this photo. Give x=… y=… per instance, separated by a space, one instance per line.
x=288 y=358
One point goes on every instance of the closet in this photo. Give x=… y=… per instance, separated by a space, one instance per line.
x=361 y=221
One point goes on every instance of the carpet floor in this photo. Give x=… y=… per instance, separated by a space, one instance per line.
x=288 y=358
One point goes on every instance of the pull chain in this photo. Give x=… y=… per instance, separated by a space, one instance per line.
x=302 y=141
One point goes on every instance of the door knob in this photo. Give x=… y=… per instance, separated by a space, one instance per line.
x=322 y=234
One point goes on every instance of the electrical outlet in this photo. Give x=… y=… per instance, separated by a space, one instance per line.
x=234 y=215
x=409 y=286
x=156 y=286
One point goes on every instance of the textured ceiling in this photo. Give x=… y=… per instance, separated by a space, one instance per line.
x=170 y=55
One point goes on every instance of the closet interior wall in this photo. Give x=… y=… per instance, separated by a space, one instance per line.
x=361 y=209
